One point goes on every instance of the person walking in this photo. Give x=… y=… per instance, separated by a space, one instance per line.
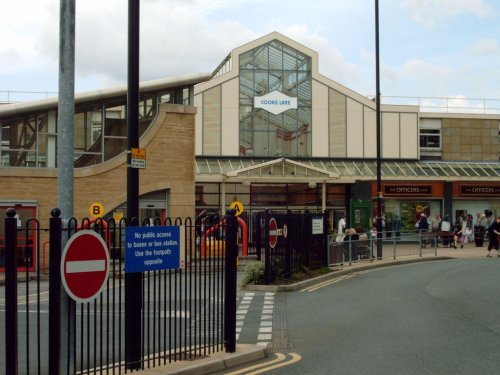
x=493 y=234
x=458 y=235
x=445 y=226
x=469 y=228
x=341 y=229
x=423 y=228
x=480 y=229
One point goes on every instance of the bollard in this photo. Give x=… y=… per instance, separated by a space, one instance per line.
x=230 y=283
x=10 y=292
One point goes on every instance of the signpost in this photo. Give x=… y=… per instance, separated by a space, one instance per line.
x=154 y=248
x=273 y=233
x=138 y=158
x=96 y=210
x=85 y=266
x=237 y=206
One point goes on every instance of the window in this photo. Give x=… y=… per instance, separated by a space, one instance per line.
x=275 y=66
x=430 y=139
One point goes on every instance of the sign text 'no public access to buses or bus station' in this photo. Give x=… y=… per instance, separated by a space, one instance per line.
x=154 y=248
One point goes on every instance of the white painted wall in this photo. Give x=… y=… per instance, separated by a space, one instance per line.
x=370 y=138
x=409 y=136
x=319 y=120
x=198 y=103
x=390 y=135
x=230 y=118
x=355 y=132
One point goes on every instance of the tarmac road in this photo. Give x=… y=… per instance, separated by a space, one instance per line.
x=438 y=317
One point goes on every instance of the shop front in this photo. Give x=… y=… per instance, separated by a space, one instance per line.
x=404 y=202
x=470 y=198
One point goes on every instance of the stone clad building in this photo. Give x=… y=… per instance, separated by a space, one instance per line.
x=265 y=129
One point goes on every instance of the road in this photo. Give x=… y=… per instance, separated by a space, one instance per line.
x=430 y=318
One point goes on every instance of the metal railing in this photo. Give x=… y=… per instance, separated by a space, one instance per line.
x=186 y=313
x=447 y=104
x=346 y=250
x=13 y=96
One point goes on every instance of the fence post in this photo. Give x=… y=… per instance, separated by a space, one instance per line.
x=350 y=250
x=230 y=282
x=288 y=245
x=11 y=292
x=394 y=246
x=307 y=223
x=267 y=250
x=55 y=227
x=420 y=243
x=258 y=238
x=435 y=244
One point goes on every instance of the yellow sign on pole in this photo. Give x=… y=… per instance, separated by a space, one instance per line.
x=238 y=207
x=138 y=158
x=96 y=210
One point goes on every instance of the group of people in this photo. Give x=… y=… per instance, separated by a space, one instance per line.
x=465 y=229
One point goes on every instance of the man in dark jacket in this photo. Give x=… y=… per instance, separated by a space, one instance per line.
x=445 y=226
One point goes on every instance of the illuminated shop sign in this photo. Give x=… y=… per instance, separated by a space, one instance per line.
x=406 y=191
x=275 y=102
x=479 y=190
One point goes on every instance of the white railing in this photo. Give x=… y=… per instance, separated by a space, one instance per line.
x=456 y=104
x=12 y=96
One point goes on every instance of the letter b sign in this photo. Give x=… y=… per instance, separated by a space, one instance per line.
x=96 y=210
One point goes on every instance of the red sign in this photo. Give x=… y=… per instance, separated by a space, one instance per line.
x=84 y=266
x=273 y=233
x=285 y=230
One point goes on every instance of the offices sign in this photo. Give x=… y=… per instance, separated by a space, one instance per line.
x=407 y=191
x=275 y=102
x=479 y=190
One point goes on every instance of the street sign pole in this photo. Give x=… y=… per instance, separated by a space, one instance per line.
x=133 y=289
x=377 y=103
x=65 y=159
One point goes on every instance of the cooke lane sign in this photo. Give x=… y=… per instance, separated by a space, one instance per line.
x=479 y=191
x=275 y=102
x=395 y=190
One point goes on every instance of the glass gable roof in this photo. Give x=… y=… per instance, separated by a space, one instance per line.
x=346 y=168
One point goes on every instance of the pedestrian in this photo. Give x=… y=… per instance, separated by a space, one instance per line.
x=445 y=226
x=468 y=228
x=423 y=227
x=457 y=235
x=350 y=240
x=480 y=229
x=494 y=234
x=434 y=225
x=341 y=229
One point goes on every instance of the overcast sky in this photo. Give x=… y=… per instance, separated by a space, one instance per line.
x=439 y=48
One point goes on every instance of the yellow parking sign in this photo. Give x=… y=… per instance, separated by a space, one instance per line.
x=96 y=210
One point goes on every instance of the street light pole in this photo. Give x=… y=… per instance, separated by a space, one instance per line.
x=377 y=103
x=133 y=281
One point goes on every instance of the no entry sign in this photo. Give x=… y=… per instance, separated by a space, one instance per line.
x=84 y=266
x=273 y=232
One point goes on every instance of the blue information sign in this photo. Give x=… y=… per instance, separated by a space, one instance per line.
x=154 y=248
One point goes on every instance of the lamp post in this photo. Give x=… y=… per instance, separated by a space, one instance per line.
x=377 y=103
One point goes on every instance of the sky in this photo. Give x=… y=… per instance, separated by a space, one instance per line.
x=428 y=48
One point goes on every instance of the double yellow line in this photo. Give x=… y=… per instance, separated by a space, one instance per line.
x=281 y=360
x=314 y=287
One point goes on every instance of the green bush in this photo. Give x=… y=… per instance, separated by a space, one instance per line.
x=254 y=274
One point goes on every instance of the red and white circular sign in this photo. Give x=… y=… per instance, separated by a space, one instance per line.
x=285 y=230
x=84 y=266
x=273 y=232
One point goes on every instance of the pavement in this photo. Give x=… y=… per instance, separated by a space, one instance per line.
x=247 y=353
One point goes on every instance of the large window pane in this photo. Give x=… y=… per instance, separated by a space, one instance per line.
x=282 y=68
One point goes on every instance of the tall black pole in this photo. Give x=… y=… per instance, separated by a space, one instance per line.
x=377 y=103
x=133 y=287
